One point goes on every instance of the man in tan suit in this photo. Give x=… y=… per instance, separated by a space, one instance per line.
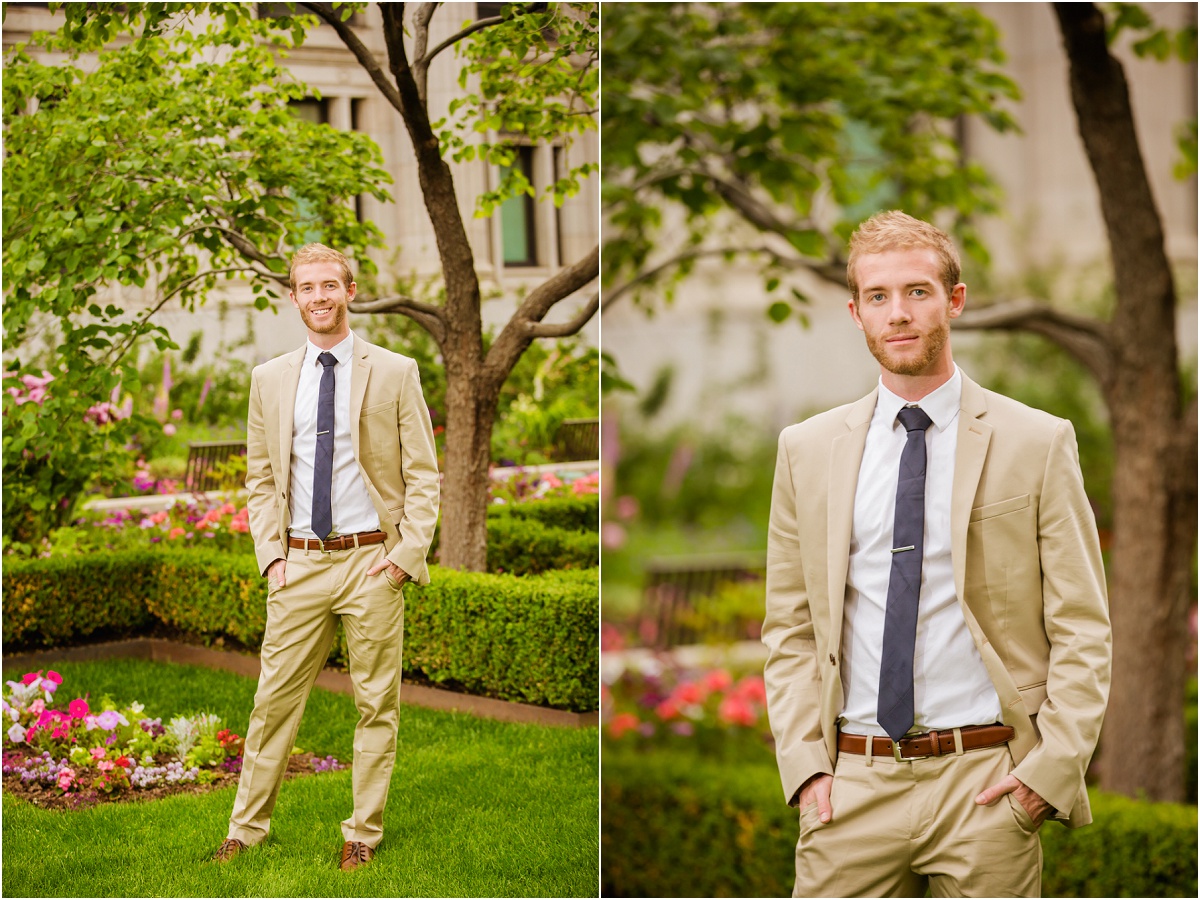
x=937 y=627
x=343 y=481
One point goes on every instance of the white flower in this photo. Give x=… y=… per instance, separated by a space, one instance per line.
x=16 y=734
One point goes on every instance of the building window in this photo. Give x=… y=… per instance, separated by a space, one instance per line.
x=308 y=217
x=516 y=217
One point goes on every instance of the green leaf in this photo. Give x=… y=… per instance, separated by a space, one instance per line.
x=778 y=311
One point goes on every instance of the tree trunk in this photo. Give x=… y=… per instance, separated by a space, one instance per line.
x=1154 y=500
x=470 y=413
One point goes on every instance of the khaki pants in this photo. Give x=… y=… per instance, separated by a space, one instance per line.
x=900 y=828
x=301 y=619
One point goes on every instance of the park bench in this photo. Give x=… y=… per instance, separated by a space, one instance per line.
x=677 y=590
x=205 y=459
x=577 y=439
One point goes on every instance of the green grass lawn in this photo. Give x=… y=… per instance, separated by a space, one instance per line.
x=476 y=808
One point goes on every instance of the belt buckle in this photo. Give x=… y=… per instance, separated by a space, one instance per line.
x=899 y=758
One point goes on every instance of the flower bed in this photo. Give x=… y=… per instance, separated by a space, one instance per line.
x=675 y=706
x=70 y=756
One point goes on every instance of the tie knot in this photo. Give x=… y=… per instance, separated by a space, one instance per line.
x=327 y=359
x=913 y=418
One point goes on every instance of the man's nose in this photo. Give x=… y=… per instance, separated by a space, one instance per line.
x=898 y=310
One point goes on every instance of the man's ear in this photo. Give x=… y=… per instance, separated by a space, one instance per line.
x=958 y=299
x=852 y=304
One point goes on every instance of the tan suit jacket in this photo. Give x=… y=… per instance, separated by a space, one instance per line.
x=1027 y=570
x=393 y=444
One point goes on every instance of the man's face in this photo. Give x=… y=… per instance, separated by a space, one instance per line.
x=322 y=298
x=903 y=310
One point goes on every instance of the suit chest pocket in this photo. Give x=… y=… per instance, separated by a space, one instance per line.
x=378 y=432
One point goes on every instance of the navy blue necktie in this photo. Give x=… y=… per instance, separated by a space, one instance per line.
x=322 y=505
x=895 y=712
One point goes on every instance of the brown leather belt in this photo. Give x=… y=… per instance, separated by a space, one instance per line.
x=933 y=743
x=345 y=542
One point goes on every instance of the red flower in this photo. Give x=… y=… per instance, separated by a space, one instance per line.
x=689 y=693
x=667 y=710
x=621 y=723
x=122 y=762
x=718 y=680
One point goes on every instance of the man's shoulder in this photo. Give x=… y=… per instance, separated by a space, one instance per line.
x=823 y=426
x=277 y=364
x=382 y=356
x=1003 y=412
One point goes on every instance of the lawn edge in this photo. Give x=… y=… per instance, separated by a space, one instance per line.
x=159 y=650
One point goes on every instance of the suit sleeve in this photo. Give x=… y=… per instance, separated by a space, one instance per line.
x=263 y=514
x=418 y=462
x=791 y=673
x=1075 y=615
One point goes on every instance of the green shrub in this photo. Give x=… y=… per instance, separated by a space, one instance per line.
x=526 y=546
x=533 y=639
x=48 y=601
x=539 y=535
x=569 y=513
x=663 y=812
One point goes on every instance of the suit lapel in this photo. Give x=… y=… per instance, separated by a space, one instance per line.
x=974 y=436
x=358 y=388
x=289 y=381
x=844 y=463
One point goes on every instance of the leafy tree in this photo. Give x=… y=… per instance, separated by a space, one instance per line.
x=530 y=73
x=707 y=107
x=162 y=167
x=1134 y=357
x=772 y=129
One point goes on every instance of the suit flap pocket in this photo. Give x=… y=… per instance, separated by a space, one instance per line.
x=999 y=509
x=1033 y=697
x=377 y=408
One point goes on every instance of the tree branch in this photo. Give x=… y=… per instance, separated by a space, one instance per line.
x=564 y=329
x=424 y=60
x=364 y=56
x=426 y=315
x=421 y=20
x=1087 y=340
x=522 y=327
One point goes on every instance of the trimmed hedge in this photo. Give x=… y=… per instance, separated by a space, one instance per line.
x=568 y=513
x=663 y=812
x=518 y=546
x=534 y=639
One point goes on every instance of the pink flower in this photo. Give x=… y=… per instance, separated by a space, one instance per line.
x=612 y=536
x=689 y=693
x=168 y=429
x=106 y=765
x=627 y=507
x=735 y=711
x=51 y=682
x=78 y=708
x=97 y=753
x=31 y=677
x=176 y=533
x=752 y=690
x=177 y=414
x=621 y=723
x=718 y=680
x=37 y=707
x=65 y=778
x=666 y=710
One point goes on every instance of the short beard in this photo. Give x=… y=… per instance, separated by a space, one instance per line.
x=327 y=326
x=934 y=342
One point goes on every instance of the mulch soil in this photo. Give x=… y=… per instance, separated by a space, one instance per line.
x=48 y=796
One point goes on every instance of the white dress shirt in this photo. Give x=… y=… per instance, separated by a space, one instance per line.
x=353 y=510
x=951 y=685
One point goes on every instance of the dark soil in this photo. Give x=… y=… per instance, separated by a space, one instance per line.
x=48 y=796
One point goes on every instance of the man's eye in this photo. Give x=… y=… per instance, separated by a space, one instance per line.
x=920 y=292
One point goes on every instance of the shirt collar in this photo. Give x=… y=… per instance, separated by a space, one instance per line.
x=344 y=351
x=941 y=405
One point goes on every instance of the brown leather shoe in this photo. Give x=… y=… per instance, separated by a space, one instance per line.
x=355 y=854
x=229 y=848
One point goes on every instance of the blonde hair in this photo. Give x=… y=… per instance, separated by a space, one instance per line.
x=314 y=253
x=895 y=230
